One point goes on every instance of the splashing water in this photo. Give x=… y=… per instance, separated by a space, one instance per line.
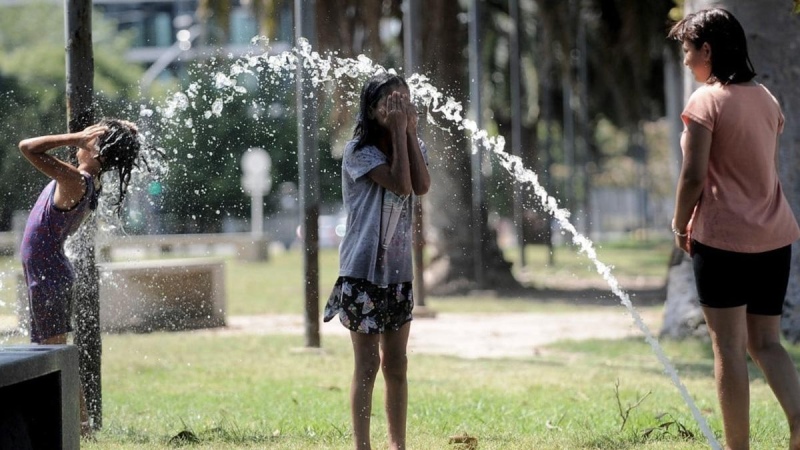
x=330 y=68
x=322 y=69
x=515 y=167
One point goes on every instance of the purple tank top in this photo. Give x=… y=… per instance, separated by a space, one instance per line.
x=47 y=228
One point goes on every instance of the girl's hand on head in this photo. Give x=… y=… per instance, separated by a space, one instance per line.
x=87 y=139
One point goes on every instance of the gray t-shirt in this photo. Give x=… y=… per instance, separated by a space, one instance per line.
x=377 y=243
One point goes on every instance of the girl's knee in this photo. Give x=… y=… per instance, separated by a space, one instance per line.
x=366 y=366
x=760 y=347
x=395 y=367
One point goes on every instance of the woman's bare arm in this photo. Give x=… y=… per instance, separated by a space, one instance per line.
x=696 y=143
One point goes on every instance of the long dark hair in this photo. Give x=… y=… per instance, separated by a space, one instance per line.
x=730 y=62
x=367 y=128
x=119 y=147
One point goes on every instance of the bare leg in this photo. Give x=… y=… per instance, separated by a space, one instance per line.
x=86 y=429
x=728 y=330
x=367 y=359
x=394 y=363
x=765 y=347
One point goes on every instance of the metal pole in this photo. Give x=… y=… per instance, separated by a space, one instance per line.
x=304 y=17
x=257 y=215
x=411 y=48
x=516 y=125
x=569 y=134
x=547 y=150
x=479 y=215
x=548 y=55
x=583 y=93
x=86 y=297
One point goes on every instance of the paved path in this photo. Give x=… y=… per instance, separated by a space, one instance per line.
x=473 y=335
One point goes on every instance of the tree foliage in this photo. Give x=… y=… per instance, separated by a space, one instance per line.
x=204 y=144
x=32 y=90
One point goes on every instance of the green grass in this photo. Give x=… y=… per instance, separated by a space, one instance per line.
x=631 y=261
x=254 y=392
x=265 y=392
x=275 y=286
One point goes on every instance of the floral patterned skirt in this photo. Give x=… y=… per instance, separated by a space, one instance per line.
x=366 y=308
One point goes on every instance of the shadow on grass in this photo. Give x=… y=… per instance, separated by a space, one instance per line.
x=648 y=296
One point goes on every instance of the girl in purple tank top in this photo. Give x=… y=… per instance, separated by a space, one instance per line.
x=61 y=209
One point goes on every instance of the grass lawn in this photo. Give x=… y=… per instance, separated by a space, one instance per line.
x=201 y=391
x=265 y=392
x=275 y=286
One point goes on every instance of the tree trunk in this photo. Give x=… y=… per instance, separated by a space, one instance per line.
x=772 y=40
x=773 y=43
x=452 y=268
x=683 y=317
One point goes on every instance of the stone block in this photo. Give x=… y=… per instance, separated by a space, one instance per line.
x=39 y=388
x=171 y=295
x=154 y=295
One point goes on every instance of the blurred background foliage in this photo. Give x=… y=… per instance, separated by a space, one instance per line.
x=625 y=41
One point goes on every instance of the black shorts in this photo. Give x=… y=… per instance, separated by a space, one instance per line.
x=366 y=308
x=728 y=279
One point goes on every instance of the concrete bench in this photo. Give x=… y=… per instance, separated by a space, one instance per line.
x=156 y=295
x=39 y=388
x=180 y=294
x=244 y=246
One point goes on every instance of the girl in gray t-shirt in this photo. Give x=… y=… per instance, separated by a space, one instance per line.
x=383 y=168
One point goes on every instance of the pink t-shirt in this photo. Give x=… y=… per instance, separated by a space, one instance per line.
x=742 y=208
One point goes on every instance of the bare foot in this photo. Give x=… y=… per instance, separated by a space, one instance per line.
x=87 y=431
x=794 y=440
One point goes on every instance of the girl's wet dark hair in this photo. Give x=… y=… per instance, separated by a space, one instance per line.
x=730 y=62
x=367 y=128
x=119 y=148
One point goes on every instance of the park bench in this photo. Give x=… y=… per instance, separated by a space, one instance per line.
x=245 y=246
x=155 y=295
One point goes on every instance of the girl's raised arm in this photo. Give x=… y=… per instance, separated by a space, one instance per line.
x=70 y=185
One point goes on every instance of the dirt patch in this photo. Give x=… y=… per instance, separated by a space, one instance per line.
x=507 y=335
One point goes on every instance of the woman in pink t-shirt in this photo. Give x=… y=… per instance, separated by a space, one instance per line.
x=732 y=217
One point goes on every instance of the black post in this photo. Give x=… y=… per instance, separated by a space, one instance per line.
x=516 y=125
x=479 y=212
x=86 y=298
x=308 y=155
x=412 y=41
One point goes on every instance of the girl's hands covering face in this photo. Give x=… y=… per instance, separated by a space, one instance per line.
x=411 y=113
x=396 y=117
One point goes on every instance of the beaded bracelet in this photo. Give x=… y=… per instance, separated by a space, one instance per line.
x=678 y=233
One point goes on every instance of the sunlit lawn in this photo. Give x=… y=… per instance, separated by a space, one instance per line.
x=272 y=287
x=275 y=286
x=263 y=392
x=246 y=391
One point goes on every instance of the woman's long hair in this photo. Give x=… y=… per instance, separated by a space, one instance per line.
x=367 y=128
x=730 y=62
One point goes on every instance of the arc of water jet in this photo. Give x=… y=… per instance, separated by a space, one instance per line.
x=515 y=166
x=327 y=68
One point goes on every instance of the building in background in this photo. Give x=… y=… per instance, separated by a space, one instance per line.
x=167 y=33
